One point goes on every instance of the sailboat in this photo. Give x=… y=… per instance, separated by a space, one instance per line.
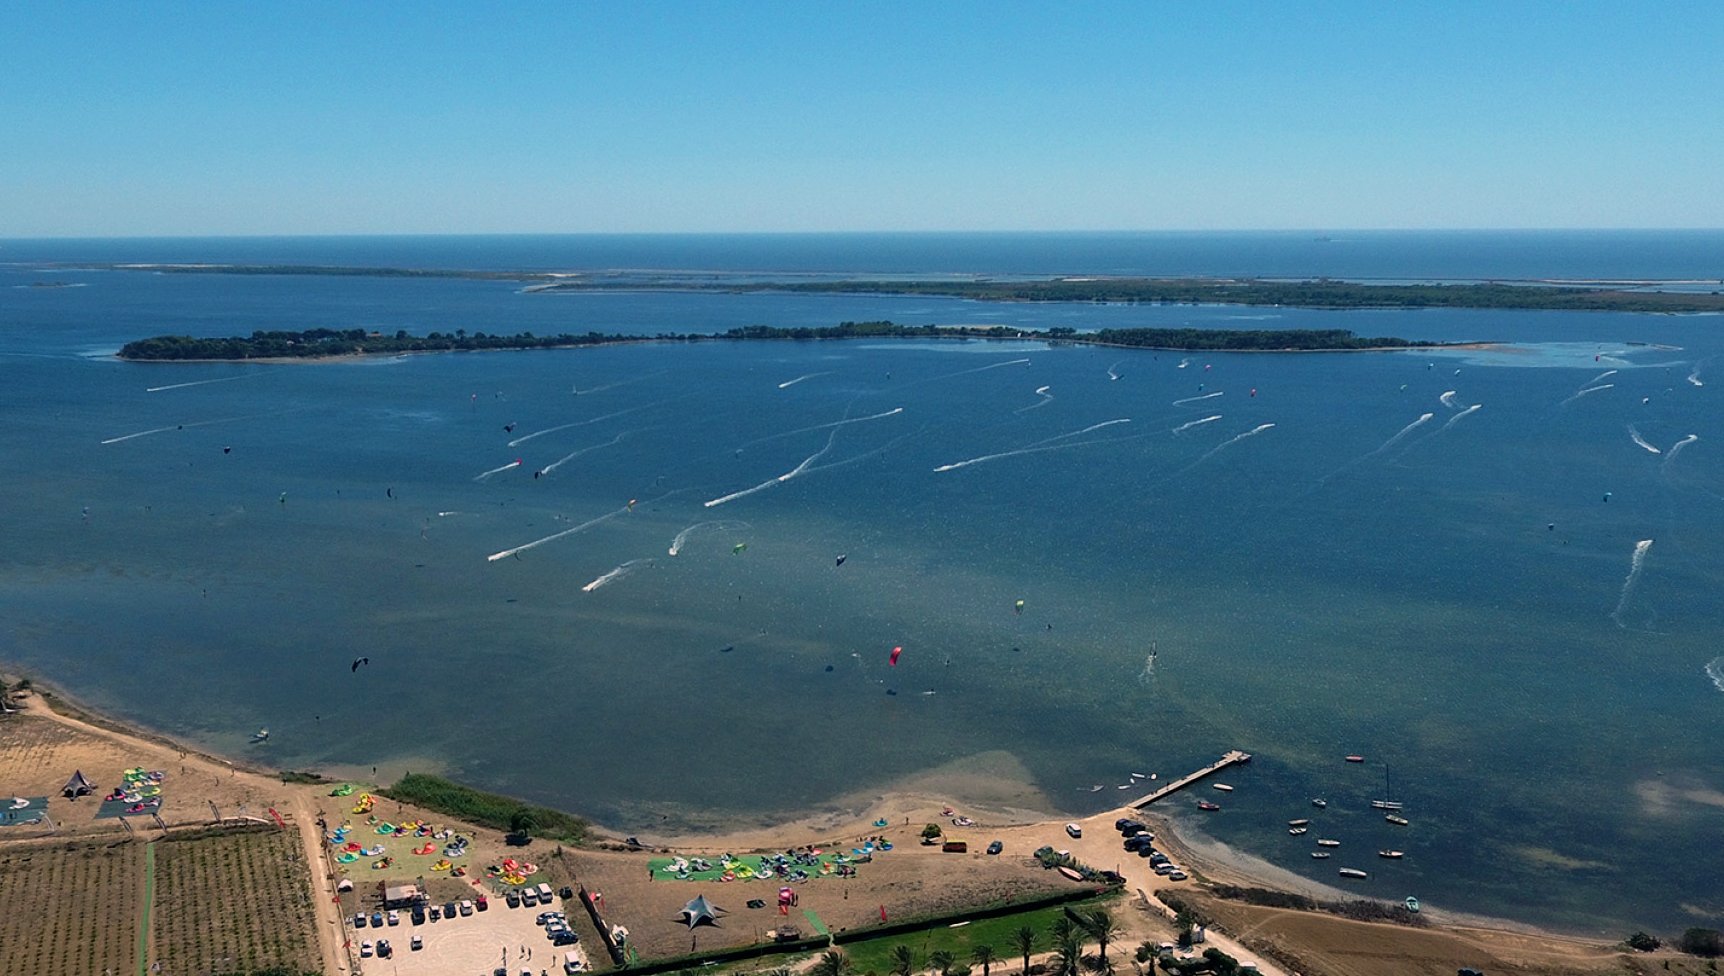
x=260 y=735
x=1385 y=803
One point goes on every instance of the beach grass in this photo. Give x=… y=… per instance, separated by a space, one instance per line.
x=485 y=809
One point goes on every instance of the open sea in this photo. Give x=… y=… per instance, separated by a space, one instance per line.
x=606 y=579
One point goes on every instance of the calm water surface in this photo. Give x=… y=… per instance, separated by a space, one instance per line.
x=1318 y=570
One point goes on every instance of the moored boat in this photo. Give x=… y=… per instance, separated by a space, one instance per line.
x=1320 y=803
x=1391 y=855
x=1206 y=805
x=1297 y=831
x=1397 y=821
x=1223 y=787
x=1412 y=904
x=1298 y=823
x=1326 y=842
x=1319 y=854
x=1353 y=873
x=1355 y=759
x=1386 y=805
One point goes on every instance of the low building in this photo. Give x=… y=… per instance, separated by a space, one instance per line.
x=403 y=896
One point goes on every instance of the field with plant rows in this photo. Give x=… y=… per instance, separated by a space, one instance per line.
x=234 y=900
x=70 y=909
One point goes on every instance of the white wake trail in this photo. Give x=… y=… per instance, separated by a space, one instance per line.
x=1183 y=363
x=181 y=386
x=554 y=465
x=682 y=537
x=805 y=376
x=1580 y=393
x=1636 y=563
x=1193 y=423
x=1404 y=431
x=1715 y=671
x=1635 y=436
x=836 y=423
x=486 y=475
x=1206 y=396
x=1113 y=371
x=1046 y=398
x=536 y=543
x=781 y=479
x=1694 y=377
x=1046 y=444
x=616 y=574
x=1448 y=400
x=195 y=423
x=517 y=442
x=1676 y=449
x=577 y=391
x=1457 y=417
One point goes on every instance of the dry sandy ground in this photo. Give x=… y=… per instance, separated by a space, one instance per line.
x=40 y=749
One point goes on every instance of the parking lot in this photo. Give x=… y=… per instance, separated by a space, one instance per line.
x=467 y=945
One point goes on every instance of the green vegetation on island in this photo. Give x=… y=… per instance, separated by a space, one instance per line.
x=1315 y=293
x=1618 y=296
x=486 y=809
x=323 y=343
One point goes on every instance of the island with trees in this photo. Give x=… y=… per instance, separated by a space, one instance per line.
x=1315 y=292
x=326 y=343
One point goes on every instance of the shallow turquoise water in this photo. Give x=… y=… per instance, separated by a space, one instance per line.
x=1310 y=590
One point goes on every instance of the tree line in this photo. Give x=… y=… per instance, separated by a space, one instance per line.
x=324 y=343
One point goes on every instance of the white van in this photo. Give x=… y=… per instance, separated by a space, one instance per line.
x=1074 y=830
x=544 y=891
x=572 y=962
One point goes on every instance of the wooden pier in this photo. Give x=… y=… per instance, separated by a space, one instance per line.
x=1233 y=758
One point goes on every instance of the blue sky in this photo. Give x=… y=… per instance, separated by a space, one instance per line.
x=253 y=118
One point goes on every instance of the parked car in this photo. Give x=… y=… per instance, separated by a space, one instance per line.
x=466 y=906
x=416 y=943
x=418 y=914
x=996 y=847
x=512 y=898
x=384 y=949
x=1147 y=851
x=563 y=938
x=449 y=909
x=359 y=920
x=529 y=897
x=376 y=920
x=365 y=949
x=482 y=903
x=436 y=912
x=544 y=917
x=1074 y=830
x=394 y=917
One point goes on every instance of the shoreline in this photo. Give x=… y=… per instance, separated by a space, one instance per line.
x=917 y=798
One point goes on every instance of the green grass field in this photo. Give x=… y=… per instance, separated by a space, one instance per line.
x=875 y=955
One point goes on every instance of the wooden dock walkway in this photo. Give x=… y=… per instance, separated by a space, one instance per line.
x=1232 y=758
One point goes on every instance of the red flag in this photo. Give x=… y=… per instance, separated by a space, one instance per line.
x=882 y=913
x=893 y=660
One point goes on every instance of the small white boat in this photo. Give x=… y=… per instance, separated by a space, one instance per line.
x=260 y=735
x=1353 y=873
x=1298 y=823
x=1319 y=854
x=1387 y=805
x=1223 y=787
x=1397 y=821
x=1320 y=803
x=1298 y=831
x=1325 y=842
x=1391 y=855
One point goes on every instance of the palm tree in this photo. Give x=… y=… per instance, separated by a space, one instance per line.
x=1068 y=946
x=1024 y=940
x=1103 y=928
x=940 y=961
x=903 y=961
x=983 y=955
x=832 y=963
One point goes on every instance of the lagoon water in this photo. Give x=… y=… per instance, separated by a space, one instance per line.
x=1512 y=608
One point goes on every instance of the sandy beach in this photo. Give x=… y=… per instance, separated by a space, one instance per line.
x=51 y=736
